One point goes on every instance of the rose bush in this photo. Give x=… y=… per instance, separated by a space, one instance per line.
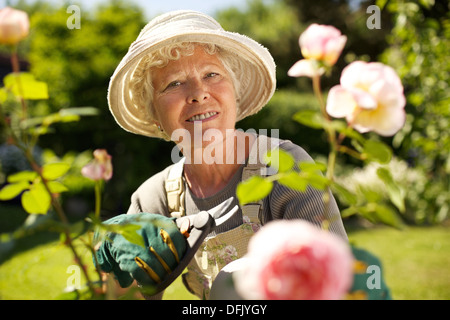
x=40 y=188
x=297 y=261
x=293 y=259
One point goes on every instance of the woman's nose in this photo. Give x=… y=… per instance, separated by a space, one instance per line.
x=197 y=92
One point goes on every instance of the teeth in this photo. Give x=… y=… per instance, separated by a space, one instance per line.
x=202 y=116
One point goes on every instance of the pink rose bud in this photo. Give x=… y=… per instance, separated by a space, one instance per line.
x=370 y=97
x=14 y=25
x=319 y=44
x=322 y=43
x=294 y=260
x=100 y=168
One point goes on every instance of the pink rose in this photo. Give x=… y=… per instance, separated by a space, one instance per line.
x=370 y=97
x=297 y=261
x=100 y=168
x=319 y=44
x=14 y=25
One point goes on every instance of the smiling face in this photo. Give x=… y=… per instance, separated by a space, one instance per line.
x=192 y=91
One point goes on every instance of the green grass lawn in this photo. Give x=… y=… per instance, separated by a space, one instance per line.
x=415 y=261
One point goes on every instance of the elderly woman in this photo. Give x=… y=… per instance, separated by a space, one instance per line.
x=187 y=80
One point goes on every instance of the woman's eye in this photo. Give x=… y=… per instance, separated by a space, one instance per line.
x=173 y=84
x=211 y=75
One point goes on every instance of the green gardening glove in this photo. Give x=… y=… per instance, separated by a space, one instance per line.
x=164 y=247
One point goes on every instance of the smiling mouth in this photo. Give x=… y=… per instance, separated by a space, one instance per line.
x=203 y=116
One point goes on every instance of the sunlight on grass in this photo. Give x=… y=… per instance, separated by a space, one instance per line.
x=415 y=260
x=43 y=273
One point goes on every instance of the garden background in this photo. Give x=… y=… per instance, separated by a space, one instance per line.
x=76 y=64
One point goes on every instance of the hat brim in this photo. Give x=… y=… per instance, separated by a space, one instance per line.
x=258 y=81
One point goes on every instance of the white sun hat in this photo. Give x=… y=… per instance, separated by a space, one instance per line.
x=258 y=79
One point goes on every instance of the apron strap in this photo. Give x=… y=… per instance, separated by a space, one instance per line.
x=175 y=190
x=257 y=166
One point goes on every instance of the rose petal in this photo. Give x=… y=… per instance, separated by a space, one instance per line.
x=384 y=121
x=305 y=68
x=92 y=171
x=340 y=102
x=352 y=74
x=363 y=99
x=333 y=50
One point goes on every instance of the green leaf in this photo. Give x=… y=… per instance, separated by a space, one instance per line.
x=3 y=95
x=312 y=166
x=316 y=180
x=349 y=212
x=26 y=86
x=387 y=215
x=294 y=181
x=395 y=193
x=58 y=117
x=343 y=194
x=370 y=195
x=253 y=189
x=45 y=122
x=377 y=151
x=11 y=191
x=128 y=231
x=310 y=118
x=36 y=200
x=54 y=171
x=280 y=160
x=22 y=176
x=376 y=213
x=56 y=187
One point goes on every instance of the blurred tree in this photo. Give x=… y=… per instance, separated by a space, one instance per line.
x=274 y=25
x=419 y=52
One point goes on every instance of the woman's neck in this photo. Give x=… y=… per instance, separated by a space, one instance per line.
x=209 y=169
